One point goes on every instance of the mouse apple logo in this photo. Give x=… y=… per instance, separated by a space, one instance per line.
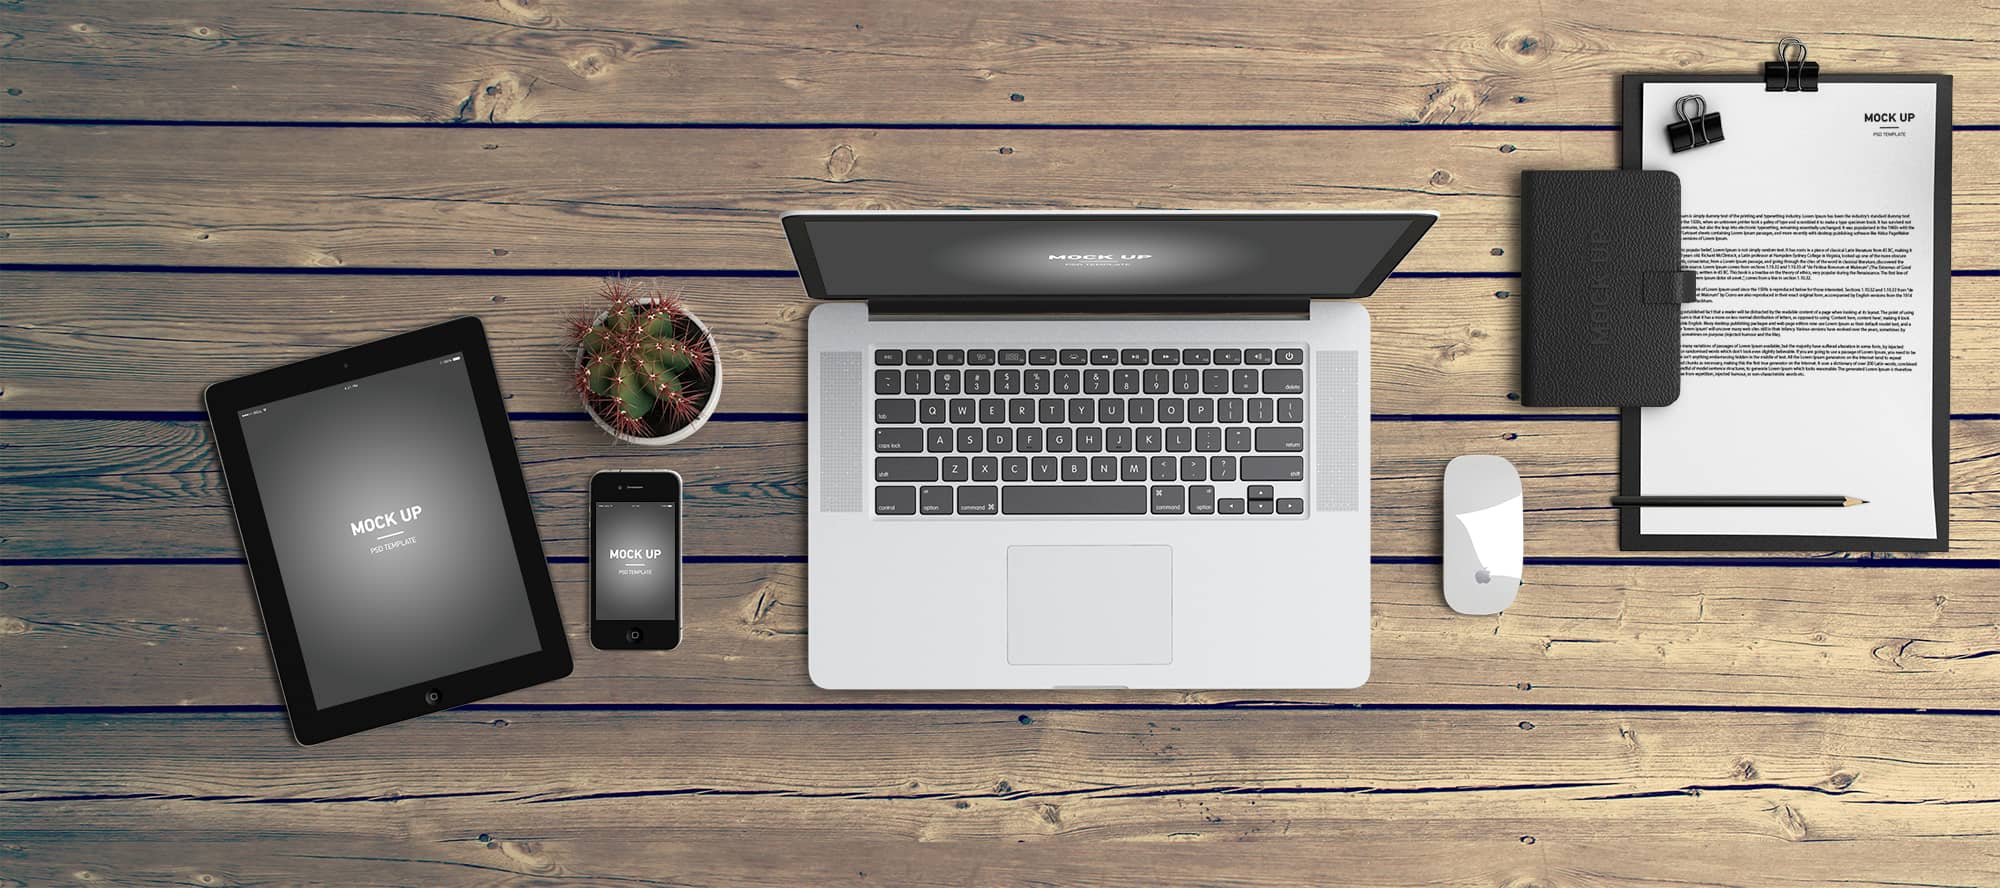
x=1483 y=575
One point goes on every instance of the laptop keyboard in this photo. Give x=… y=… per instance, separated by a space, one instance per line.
x=1089 y=431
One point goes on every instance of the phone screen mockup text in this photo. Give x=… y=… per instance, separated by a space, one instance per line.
x=635 y=569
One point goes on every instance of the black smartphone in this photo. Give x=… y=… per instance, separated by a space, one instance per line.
x=635 y=560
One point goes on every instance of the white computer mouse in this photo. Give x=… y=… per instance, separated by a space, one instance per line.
x=1482 y=534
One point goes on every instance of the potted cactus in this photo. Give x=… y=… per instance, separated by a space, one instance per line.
x=645 y=367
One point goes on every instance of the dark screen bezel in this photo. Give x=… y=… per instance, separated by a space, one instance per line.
x=225 y=400
x=797 y=231
x=658 y=486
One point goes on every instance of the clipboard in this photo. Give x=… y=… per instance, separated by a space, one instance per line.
x=1786 y=77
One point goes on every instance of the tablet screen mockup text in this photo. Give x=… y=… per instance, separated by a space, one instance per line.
x=392 y=540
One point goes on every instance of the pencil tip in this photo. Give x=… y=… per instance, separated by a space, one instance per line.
x=1856 y=502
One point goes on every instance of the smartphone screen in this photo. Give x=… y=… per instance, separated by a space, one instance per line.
x=635 y=560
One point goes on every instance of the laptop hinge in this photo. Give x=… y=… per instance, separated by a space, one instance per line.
x=1283 y=305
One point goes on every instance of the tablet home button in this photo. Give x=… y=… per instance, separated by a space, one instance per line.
x=433 y=696
x=633 y=635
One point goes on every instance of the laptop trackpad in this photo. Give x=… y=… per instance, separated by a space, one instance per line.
x=1090 y=605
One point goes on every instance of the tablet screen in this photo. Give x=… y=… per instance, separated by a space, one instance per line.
x=392 y=541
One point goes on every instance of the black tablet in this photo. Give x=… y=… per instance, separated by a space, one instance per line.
x=388 y=530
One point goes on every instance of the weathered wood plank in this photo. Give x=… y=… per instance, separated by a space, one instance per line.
x=137 y=341
x=1745 y=851
x=597 y=199
x=1431 y=61
x=150 y=489
x=142 y=341
x=1596 y=635
x=1011 y=796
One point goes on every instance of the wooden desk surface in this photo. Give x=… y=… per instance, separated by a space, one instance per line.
x=194 y=189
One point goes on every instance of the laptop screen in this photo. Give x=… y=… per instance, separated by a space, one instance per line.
x=933 y=255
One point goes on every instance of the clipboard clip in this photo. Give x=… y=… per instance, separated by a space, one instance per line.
x=1789 y=74
x=1693 y=130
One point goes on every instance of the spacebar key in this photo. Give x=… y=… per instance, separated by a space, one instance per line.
x=1090 y=500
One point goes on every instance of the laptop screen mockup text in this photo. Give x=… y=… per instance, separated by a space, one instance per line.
x=1054 y=255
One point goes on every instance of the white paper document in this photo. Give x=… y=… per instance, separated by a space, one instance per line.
x=1808 y=363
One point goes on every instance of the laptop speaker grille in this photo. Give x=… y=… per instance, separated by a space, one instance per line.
x=839 y=419
x=1337 y=435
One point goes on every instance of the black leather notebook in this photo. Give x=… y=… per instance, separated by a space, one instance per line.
x=1602 y=288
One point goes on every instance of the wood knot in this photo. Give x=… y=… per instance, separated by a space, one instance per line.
x=13 y=626
x=590 y=66
x=1527 y=45
x=499 y=98
x=1440 y=178
x=1050 y=814
x=1841 y=780
x=1459 y=346
x=1791 y=824
x=1453 y=102
x=1744 y=769
x=760 y=614
x=840 y=161
x=526 y=854
x=1892 y=651
x=529 y=12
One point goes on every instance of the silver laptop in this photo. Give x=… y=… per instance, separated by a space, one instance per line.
x=1090 y=450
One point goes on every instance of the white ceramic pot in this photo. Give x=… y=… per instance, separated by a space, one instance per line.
x=707 y=406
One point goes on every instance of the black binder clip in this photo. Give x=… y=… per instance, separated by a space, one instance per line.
x=1788 y=74
x=1696 y=130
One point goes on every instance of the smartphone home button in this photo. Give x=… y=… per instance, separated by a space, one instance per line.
x=433 y=697
x=633 y=635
